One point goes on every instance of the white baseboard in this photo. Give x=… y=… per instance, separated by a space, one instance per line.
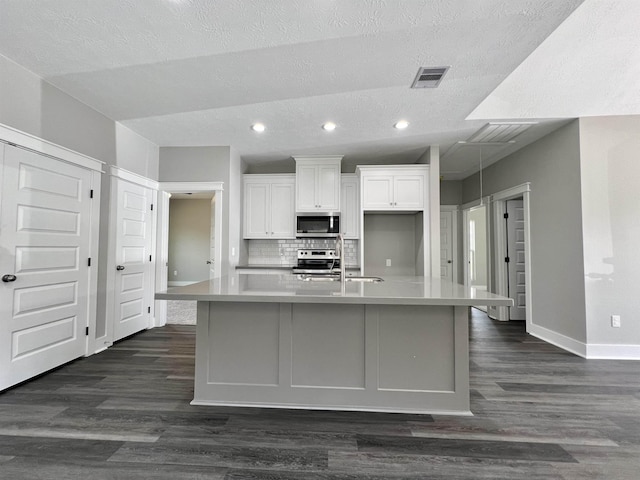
x=179 y=284
x=559 y=340
x=613 y=352
x=590 y=351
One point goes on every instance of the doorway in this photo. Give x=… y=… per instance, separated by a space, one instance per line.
x=191 y=252
x=512 y=252
x=207 y=262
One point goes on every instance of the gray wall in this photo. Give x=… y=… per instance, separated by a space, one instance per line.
x=451 y=192
x=610 y=167
x=390 y=236
x=211 y=164
x=31 y=105
x=552 y=165
x=189 y=238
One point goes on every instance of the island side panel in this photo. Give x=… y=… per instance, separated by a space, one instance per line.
x=328 y=356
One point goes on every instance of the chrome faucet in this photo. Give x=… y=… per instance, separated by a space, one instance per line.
x=340 y=255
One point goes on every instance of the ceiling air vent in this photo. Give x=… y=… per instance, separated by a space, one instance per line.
x=429 y=77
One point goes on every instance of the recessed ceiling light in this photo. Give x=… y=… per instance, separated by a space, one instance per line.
x=401 y=124
x=329 y=126
x=258 y=127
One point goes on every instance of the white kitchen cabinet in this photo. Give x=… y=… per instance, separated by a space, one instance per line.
x=269 y=206
x=318 y=183
x=393 y=187
x=350 y=207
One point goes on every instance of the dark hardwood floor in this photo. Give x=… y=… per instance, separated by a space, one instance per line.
x=539 y=413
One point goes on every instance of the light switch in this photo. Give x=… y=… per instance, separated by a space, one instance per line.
x=388 y=262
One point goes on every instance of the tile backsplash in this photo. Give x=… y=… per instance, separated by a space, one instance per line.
x=284 y=252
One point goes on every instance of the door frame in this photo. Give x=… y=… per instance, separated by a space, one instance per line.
x=117 y=173
x=454 y=238
x=498 y=206
x=162 y=249
x=466 y=208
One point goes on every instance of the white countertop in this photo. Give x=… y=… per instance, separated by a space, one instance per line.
x=287 y=288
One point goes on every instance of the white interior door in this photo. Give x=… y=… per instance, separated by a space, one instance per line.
x=212 y=241
x=44 y=251
x=447 y=247
x=133 y=286
x=516 y=254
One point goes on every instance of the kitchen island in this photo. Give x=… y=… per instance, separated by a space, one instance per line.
x=280 y=341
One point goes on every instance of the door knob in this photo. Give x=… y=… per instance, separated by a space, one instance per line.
x=449 y=261
x=120 y=267
x=9 y=278
x=208 y=262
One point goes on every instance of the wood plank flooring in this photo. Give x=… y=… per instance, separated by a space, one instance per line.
x=539 y=413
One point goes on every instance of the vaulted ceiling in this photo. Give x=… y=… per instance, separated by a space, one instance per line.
x=201 y=72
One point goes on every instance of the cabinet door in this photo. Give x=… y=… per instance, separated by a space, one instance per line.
x=328 y=188
x=282 y=210
x=377 y=193
x=306 y=200
x=408 y=192
x=256 y=210
x=350 y=214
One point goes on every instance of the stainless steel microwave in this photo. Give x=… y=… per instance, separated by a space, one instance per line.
x=317 y=225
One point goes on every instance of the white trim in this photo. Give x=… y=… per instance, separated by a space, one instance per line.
x=466 y=208
x=31 y=142
x=499 y=249
x=476 y=203
x=94 y=253
x=613 y=352
x=183 y=187
x=591 y=351
x=449 y=208
x=162 y=249
x=161 y=274
x=512 y=192
x=179 y=283
x=123 y=174
x=559 y=340
x=433 y=201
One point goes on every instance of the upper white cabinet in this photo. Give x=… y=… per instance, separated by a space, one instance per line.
x=350 y=207
x=318 y=183
x=269 y=206
x=393 y=187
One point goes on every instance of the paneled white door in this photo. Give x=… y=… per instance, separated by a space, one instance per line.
x=44 y=254
x=133 y=286
x=446 y=245
x=516 y=265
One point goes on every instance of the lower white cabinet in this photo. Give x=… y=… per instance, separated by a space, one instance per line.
x=269 y=208
x=350 y=207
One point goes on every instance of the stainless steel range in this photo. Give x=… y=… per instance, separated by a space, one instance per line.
x=316 y=261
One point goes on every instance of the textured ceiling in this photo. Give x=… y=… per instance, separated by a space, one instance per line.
x=200 y=72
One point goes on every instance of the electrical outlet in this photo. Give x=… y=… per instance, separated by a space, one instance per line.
x=175 y=273
x=615 y=321
x=388 y=262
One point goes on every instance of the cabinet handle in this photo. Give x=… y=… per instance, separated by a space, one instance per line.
x=9 y=278
x=120 y=267
x=391 y=203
